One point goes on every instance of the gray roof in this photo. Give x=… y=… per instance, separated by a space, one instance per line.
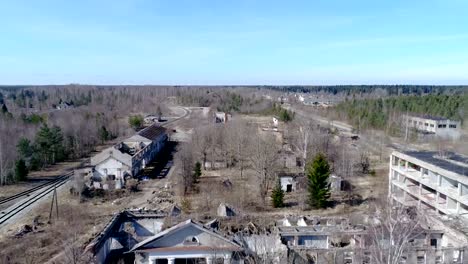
x=430 y=117
x=179 y=227
x=451 y=162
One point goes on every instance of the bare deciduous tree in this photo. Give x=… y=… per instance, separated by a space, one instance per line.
x=185 y=163
x=392 y=227
x=263 y=157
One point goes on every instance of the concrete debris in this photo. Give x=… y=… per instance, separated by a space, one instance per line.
x=213 y=224
x=162 y=199
x=23 y=231
x=266 y=247
x=227 y=184
x=225 y=210
x=175 y=211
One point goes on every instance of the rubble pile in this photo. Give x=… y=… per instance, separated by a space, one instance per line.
x=162 y=199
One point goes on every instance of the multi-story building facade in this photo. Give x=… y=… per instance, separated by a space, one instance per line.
x=430 y=180
x=438 y=126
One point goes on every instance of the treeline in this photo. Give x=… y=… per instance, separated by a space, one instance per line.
x=366 y=89
x=379 y=113
x=240 y=100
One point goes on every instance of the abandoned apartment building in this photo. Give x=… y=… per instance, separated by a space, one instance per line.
x=430 y=180
x=433 y=125
x=437 y=183
x=155 y=237
x=139 y=237
x=127 y=158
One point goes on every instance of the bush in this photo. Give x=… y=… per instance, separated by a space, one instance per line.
x=186 y=205
x=135 y=121
x=132 y=185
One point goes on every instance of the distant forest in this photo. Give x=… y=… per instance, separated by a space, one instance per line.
x=379 y=113
x=366 y=89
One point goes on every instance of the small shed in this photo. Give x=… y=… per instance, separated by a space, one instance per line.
x=288 y=182
x=336 y=183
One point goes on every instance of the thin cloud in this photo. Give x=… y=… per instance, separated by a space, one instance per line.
x=397 y=40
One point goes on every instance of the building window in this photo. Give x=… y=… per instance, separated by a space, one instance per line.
x=426 y=124
x=453 y=126
x=432 y=125
x=191 y=240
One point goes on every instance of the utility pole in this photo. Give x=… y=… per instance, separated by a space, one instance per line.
x=54 y=200
x=406 y=129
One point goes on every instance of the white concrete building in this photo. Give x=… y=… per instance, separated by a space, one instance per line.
x=287 y=182
x=430 y=181
x=187 y=242
x=128 y=157
x=439 y=126
x=222 y=117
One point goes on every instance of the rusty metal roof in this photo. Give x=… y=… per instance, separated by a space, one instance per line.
x=152 y=132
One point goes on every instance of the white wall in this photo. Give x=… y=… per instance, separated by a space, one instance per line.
x=113 y=167
x=285 y=181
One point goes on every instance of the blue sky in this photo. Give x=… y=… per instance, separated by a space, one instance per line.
x=234 y=42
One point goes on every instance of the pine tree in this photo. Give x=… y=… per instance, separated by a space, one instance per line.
x=42 y=145
x=57 y=148
x=277 y=196
x=21 y=171
x=197 y=172
x=319 y=187
x=104 y=135
x=4 y=109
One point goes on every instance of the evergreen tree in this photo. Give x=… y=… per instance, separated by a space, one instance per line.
x=42 y=144
x=277 y=196
x=104 y=134
x=197 y=172
x=21 y=171
x=4 y=109
x=56 y=141
x=25 y=149
x=318 y=173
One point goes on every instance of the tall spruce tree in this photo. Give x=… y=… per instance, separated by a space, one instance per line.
x=21 y=170
x=197 y=172
x=318 y=172
x=277 y=196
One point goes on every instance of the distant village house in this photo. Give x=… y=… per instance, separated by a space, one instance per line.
x=222 y=117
